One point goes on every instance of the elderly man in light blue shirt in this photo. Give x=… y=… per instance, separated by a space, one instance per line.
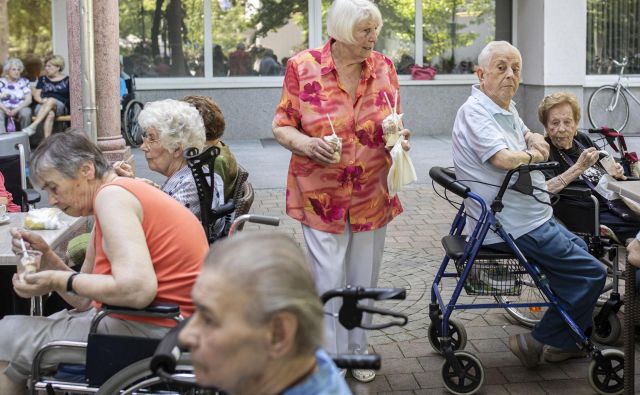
x=490 y=138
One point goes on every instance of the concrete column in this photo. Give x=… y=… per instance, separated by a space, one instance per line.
x=59 y=29
x=552 y=40
x=74 y=68
x=107 y=80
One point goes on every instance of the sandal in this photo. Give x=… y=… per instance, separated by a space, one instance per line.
x=363 y=375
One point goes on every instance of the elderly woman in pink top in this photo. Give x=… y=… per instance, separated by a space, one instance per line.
x=341 y=199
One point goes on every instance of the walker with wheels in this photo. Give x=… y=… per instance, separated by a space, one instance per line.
x=481 y=271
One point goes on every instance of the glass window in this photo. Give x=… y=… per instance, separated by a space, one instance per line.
x=256 y=37
x=613 y=32
x=162 y=38
x=455 y=31
x=397 y=38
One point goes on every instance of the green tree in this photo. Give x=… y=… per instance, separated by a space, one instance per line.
x=29 y=27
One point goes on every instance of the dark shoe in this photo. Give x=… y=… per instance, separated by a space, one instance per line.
x=526 y=348
x=553 y=354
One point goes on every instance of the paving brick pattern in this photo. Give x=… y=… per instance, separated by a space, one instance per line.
x=409 y=364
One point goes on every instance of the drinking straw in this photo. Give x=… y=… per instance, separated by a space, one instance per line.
x=395 y=103
x=331 y=124
x=388 y=102
x=24 y=249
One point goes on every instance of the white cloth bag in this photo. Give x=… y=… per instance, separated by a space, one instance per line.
x=402 y=171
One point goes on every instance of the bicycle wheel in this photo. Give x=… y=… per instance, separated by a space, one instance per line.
x=600 y=115
x=527 y=316
x=138 y=379
x=130 y=128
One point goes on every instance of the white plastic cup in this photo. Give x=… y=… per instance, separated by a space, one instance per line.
x=29 y=264
x=608 y=163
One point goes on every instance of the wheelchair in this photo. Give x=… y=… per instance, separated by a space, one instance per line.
x=130 y=108
x=485 y=272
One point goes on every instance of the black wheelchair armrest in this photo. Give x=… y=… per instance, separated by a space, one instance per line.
x=154 y=310
x=33 y=196
x=582 y=193
x=223 y=210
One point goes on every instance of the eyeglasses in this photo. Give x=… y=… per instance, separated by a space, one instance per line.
x=146 y=139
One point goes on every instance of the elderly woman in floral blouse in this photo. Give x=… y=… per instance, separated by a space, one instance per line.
x=344 y=205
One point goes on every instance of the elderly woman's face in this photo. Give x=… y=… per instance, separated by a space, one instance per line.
x=561 y=127
x=71 y=195
x=366 y=36
x=14 y=73
x=227 y=351
x=158 y=157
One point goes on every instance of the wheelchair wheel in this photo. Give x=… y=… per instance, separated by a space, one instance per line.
x=130 y=128
x=607 y=377
x=607 y=332
x=138 y=379
x=527 y=316
x=469 y=380
x=456 y=331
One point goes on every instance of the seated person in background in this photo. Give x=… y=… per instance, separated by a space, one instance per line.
x=52 y=95
x=145 y=247
x=633 y=257
x=169 y=127
x=490 y=138
x=225 y=166
x=15 y=96
x=579 y=159
x=258 y=327
x=6 y=198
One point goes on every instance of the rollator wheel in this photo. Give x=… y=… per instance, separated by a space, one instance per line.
x=469 y=380
x=527 y=316
x=607 y=332
x=138 y=379
x=607 y=377
x=456 y=331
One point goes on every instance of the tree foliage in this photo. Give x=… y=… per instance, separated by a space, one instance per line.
x=29 y=27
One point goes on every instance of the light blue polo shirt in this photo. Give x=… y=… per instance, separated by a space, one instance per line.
x=481 y=129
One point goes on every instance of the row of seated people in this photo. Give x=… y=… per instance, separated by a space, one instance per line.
x=46 y=100
x=138 y=255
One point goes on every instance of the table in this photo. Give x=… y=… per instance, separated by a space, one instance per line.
x=631 y=190
x=56 y=238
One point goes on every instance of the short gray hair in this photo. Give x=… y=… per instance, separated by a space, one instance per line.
x=273 y=269
x=65 y=153
x=344 y=15
x=484 y=59
x=179 y=124
x=10 y=63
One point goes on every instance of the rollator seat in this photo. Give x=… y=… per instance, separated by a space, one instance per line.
x=454 y=246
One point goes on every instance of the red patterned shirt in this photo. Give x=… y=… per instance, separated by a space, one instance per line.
x=321 y=196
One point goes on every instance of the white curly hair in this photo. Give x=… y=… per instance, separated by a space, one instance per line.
x=178 y=123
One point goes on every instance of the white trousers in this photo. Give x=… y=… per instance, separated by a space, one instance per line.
x=344 y=259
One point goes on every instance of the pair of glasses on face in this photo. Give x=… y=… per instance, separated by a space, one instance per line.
x=146 y=139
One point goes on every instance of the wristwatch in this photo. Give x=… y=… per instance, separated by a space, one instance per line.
x=70 y=284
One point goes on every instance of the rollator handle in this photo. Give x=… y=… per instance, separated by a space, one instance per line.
x=362 y=361
x=358 y=293
x=168 y=352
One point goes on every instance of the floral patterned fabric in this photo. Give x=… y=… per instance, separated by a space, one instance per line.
x=12 y=94
x=324 y=197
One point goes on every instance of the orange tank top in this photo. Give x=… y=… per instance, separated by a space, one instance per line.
x=177 y=246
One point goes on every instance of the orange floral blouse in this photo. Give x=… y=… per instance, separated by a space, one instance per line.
x=324 y=197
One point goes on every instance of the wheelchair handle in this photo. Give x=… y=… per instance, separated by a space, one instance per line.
x=168 y=352
x=363 y=361
x=258 y=219
x=447 y=179
x=358 y=293
x=497 y=205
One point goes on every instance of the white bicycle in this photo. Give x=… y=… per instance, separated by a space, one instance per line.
x=608 y=106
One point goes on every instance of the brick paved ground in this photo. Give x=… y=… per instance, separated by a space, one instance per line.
x=409 y=364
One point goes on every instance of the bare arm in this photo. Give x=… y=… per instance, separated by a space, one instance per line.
x=37 y=95
x=507 y=159
x=300 y=144
x=586 y=159
x=535 y=141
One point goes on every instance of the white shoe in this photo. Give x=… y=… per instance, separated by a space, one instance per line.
x=29 y=130
x=363 y=375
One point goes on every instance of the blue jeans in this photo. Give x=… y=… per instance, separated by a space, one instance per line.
x=574 y=275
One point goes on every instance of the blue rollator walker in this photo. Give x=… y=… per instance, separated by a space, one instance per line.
x=482 y=271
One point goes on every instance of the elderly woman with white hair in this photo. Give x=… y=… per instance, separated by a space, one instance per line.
x=257 y=328
x=169 y=127
x=15 y=96
x=338 y=190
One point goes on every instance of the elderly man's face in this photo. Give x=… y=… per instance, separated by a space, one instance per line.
x=501 y=79
x=561 y=127
x=228 y=352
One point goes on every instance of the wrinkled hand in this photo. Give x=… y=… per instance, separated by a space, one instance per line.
x=318 y=150
x=587 y=158
x=633 y=253
x=536 y=142
x=11 y=113
x=41 y=283
x=32 y=241
x=123 y=169
x=406 y=133
x=619 y=172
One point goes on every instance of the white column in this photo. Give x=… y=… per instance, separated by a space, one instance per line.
x=59 y=29
x=208 y=42
x=315 y=23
